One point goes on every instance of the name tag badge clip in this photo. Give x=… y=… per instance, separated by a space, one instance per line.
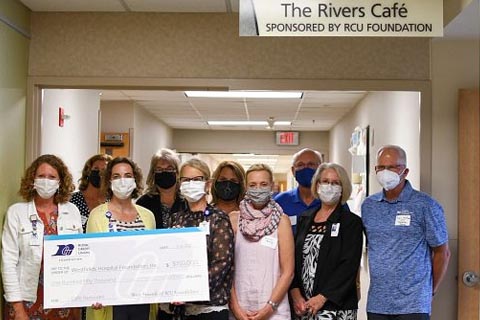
x=205 y=227
x=403 y=218
x=269 y=241
x=335 y=229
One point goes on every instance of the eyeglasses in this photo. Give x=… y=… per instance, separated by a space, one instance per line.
x=301 y=165
x=390 y=168
x=187 y=179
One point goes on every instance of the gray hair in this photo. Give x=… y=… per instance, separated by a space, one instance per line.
x=402 y=155
x=342 y=174
x=163 y=154
x=305 y=150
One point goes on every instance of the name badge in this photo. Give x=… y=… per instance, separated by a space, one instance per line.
x=293 y=220
x=402 y=220
x=269 y=241
x=205 y=227
x=335 y=229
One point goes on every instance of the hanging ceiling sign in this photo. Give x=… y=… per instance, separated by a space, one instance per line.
x=341 y=18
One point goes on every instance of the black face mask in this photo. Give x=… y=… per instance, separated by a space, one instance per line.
x=165 y=180
x=94 y=178
x=227 y=190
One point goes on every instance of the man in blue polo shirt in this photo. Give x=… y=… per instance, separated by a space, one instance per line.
x=407 y=241
x=294 y=202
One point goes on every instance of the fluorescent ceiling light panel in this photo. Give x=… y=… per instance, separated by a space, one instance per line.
x=236 y=123
x=245 y=123
x=245 y=94
x=282 y=123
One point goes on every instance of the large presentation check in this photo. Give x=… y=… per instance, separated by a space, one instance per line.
x=121 y=268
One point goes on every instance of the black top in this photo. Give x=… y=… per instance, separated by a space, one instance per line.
x=161 y=212
x=220 y=246
x=79 y=201
x=338 y=259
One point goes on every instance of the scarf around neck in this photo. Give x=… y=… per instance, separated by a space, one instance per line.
x=255 y=224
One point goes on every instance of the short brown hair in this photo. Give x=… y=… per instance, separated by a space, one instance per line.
x=65 y=188
x=239 y=173
x=87 y=169
x=137 y=174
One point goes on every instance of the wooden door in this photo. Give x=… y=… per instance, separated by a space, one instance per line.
x=468 y=202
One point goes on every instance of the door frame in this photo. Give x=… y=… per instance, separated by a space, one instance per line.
x=468 y=201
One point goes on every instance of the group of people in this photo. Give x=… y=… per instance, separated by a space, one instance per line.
x=295 y=255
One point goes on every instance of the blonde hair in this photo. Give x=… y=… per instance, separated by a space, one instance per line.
x=260 y=167
x=197 y=164
x=342 y=175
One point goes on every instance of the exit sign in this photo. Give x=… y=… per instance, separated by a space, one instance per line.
x=287 y=138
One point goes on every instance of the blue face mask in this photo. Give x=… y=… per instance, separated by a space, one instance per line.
x=304 y=177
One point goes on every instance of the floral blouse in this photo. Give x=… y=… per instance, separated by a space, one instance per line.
x=220 y=246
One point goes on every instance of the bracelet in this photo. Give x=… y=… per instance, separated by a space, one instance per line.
x=273 y=304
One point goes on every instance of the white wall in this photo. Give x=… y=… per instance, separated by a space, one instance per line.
x=117 y=116
x=259 y=142
x=394 y=118
x=149 y=135
x=77 y=140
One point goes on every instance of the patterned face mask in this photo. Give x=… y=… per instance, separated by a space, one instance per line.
x=259 y=196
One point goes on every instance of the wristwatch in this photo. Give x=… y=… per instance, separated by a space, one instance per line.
x=273 y=304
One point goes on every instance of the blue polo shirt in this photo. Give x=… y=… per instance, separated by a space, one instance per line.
x=400 y=235
x=293 y=205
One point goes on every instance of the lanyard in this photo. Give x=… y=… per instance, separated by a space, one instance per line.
x=112 y=227
x=34 y=220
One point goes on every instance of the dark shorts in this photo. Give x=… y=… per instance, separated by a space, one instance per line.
x=411 y=316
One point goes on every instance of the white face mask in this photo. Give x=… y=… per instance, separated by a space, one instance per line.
x=122 y=188
x=46 y=188
x=388 y=179
x=329 y=193
x=193 y=190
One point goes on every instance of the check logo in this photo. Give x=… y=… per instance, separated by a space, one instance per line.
x=64 y=250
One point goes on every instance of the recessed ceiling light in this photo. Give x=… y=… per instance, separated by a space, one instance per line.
x=245 y=94
x=245 y=123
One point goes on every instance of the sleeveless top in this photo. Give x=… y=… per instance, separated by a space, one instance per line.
x=257 y=269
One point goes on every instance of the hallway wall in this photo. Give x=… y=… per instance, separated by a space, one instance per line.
x=13 y=91
x=148 y=133
x=205 y=45
x=78 y=139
